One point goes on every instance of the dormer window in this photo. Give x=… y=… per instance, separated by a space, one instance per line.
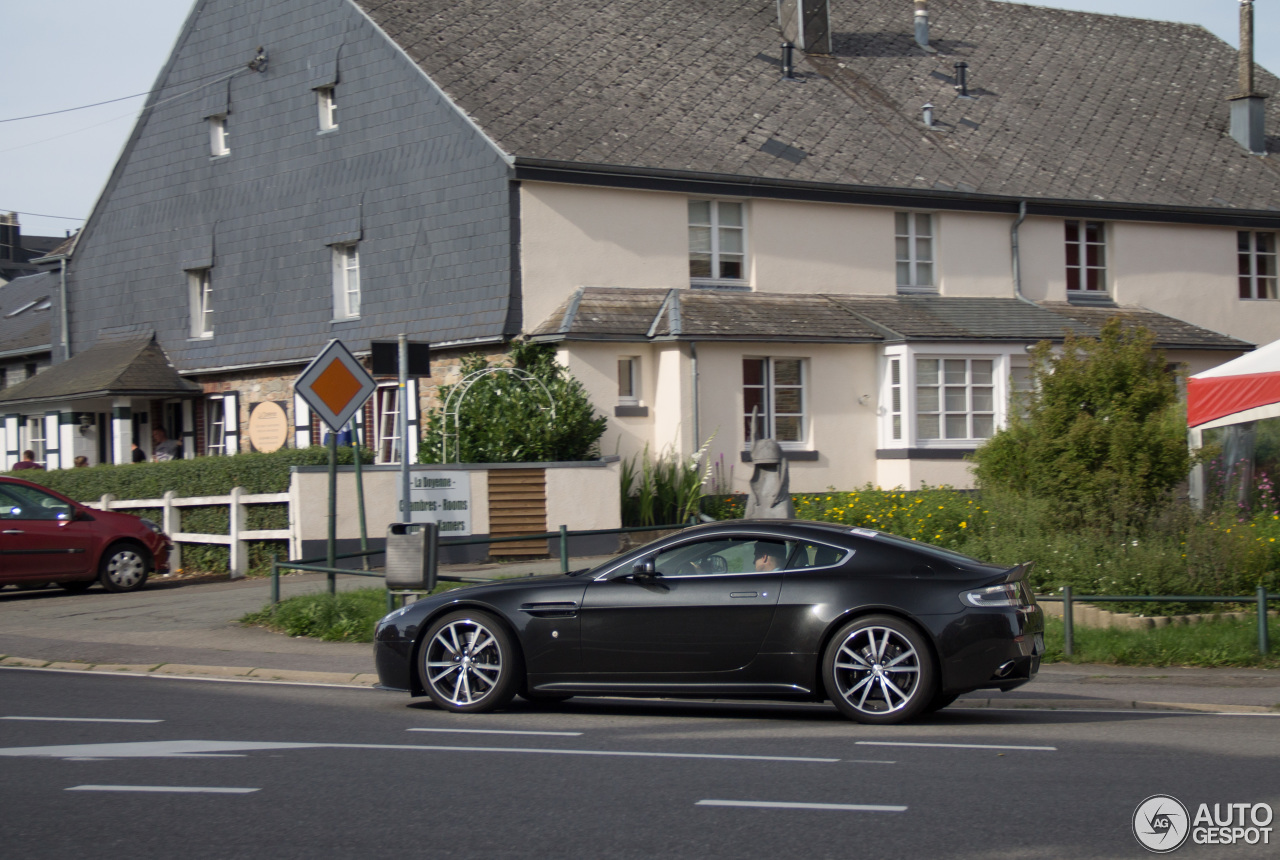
x=327 y=106
x=218 y=143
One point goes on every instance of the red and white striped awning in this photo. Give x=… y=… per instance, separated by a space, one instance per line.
x=1245 y=389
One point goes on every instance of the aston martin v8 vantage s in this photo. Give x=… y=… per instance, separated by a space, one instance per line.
x=885 y=628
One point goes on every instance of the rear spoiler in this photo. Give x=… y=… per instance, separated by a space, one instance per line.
x=1019 y=572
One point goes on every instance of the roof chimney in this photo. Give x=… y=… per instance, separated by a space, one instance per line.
x=806 y=24
x=1247 y=126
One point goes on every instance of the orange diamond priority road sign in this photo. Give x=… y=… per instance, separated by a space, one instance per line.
x=335 y=385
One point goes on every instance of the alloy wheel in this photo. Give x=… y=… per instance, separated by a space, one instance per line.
x=877 y=670
x=464 y=663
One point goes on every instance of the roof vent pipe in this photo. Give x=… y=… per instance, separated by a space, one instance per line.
x=788 y=60
x=922 y=26
x=928 y=115
x=1247 y=117
x=962 y=79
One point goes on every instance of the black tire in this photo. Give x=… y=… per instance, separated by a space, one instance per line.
x=77 y=586
x=124 y=567
x=468 y=663
x=879 y=669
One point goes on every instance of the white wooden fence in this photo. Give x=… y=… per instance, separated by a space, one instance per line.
x=237 y=540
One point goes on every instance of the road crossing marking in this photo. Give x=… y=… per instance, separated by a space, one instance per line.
x=165 y=789
x=954 y=746
x=500 y=732
x=78 y=720
x=770 y=804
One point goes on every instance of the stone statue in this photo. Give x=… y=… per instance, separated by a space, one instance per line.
x=770 y=496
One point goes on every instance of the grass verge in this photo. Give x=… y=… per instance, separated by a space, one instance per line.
x=1229 y=642
x=348 y=616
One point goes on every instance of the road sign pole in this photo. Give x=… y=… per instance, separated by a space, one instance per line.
x=332 y=558
x=364 y=530
x=403 y=421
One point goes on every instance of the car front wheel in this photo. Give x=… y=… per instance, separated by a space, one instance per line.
x=124 y=567
x=879 y=669
x=468 y=663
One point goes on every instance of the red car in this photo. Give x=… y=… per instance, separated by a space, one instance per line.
x=46 y=537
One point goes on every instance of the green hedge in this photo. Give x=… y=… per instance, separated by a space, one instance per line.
x=203 y=476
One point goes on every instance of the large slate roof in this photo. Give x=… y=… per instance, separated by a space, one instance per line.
x=612 y=313
x=1070 y=105
x=25 y=308
x=129 y=365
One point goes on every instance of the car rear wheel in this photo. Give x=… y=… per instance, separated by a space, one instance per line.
x=879 y=669
x=468 y=663
x=124 y=567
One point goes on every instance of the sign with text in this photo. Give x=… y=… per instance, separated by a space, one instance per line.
x=443 y=498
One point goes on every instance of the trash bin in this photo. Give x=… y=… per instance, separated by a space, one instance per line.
x=411 y=556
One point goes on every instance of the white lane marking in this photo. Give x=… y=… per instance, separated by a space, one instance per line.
x=499 y=732
x=765 y=804
x=78 y=720
x=953 y=746
x=170 y=749
x=166 y=789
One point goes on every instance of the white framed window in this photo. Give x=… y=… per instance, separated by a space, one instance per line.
x=386 y=415
x=895 y=399
x=913 y=249
x=215 y=427
x=774 y=389
x=222 y=424
x=1086 y=256
x=33 y=437
x=948 y=396
x=1256 y=256
x=955 y=398
x=200 y=290
x=327 y=108
x=219 y=143
x=346 y=281
x=629 y=380
x=717 y=242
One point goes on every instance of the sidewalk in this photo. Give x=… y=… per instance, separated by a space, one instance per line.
x=176 y=628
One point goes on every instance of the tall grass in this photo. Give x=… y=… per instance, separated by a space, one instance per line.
x=662 y=490
x=1210 y=644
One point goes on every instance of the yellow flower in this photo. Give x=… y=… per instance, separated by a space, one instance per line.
x=964 y=525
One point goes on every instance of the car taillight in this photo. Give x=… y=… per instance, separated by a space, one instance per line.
x=1005 y=594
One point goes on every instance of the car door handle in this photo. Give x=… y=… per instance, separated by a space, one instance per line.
x=744 y=594
x=13 y=532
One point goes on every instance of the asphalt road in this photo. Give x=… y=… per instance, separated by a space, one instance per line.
x=109 y=766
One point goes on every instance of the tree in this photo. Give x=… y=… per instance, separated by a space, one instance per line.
x=1103 y=434
x=505 y=418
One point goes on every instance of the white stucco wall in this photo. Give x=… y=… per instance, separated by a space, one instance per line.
x=573 y=236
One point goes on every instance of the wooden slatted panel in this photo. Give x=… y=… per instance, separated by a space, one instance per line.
x=517 y=506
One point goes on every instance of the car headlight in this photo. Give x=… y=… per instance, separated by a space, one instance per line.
x=152 y=524
x=1005 y=594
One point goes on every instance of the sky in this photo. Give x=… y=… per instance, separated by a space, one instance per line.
x=64 y=54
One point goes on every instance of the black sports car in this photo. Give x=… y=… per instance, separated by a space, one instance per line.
x=884 y=627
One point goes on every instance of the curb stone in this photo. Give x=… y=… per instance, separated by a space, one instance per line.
x=366 y=679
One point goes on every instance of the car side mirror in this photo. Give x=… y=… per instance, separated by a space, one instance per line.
x=644 y=569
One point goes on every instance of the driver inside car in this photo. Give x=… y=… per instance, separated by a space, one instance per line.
x=769 y=556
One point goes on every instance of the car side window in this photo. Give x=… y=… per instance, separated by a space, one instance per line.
x=813 y=555
x=724 y=556
x=25 y=503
